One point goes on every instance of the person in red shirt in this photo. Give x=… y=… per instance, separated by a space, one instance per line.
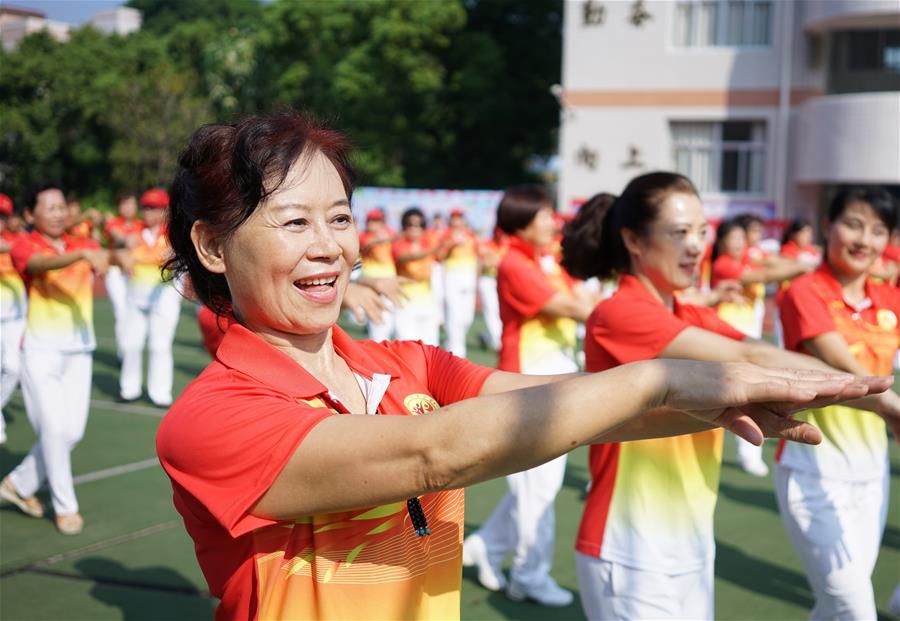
x=122 y=233
x=736 y=259
x=420 y=317
x=321 y=477
x=82 y=224
x=648 y=519
x=378 y=264
x=834 y=500
x=153 y=307
x=13 y=304
x=457 y=253
x=57 y=352
x=539 y=313
x=797 y=243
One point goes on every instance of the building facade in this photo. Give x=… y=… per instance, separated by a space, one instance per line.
x=16 y=23
x=767 y=105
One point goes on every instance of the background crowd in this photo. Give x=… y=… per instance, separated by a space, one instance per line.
x=634 y=273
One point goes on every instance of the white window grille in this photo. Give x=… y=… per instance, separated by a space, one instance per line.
x=727 y=157
x=726 y=23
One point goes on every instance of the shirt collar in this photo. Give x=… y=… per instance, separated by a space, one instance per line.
x=244 y=351
x=632 y=286
x=42 y=241
x=827 y=277
x=527 y=248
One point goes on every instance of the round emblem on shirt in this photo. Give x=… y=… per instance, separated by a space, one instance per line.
x=886 y=319
x=420 y=404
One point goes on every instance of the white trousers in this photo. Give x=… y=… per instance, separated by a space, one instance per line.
x=418 y=320
x=747 y=452
x=383 y=331
x=836 y=528
x=437 y=290
x=11 y=331
x=56 y=387
x=524 y=523
x=459 y=308
x=117 y=290
x=155 y=325
x=490 y=310
x=614 y=591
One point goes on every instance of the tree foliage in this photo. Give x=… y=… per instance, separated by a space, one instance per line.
x=433 y=94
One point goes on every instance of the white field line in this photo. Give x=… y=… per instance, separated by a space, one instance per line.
x=107 y=473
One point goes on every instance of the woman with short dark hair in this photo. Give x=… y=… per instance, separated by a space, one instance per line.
x=833 y=500
x=539 y=313
x=311 y=470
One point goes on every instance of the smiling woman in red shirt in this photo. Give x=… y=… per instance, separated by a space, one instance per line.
x=539 y=314
x=648 y=519
x=833 y=500
x=320 y=477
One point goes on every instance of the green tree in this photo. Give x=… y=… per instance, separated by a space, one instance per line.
x=375 y=67
x=501 y=69
x=156 y=113
x=161 y=17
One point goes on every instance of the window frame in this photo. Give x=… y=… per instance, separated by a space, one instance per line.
x=723 y=13
x=717 y=148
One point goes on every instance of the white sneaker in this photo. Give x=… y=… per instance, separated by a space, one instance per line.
x=547 y=593
x=475 y=554
x=756 y=467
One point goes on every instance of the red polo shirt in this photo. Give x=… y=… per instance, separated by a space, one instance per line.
x=651 y=503
x=854 y=441
x=532 y=341
x=122 y=227
x=61 y=301
x=231 y=433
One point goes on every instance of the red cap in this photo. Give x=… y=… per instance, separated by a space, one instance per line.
x=6 y=205
x=457 y=212
x=155 y=198
x=374 y=214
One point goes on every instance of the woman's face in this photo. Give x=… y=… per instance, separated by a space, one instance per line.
x=540 y=231
x=804 y=236
x=414 y=228
x=754 y=233
x=672 y=249
x=128 y=207
x=856 y=239
x=734 y=243
x=288 y=265
x=153 y=216
x=50 y=215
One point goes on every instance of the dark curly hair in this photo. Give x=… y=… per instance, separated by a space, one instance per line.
x=226 y=171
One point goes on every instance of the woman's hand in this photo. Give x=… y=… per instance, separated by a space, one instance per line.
x=754 y=402
x=99 y=260
x=364 y=302
x=390 y=287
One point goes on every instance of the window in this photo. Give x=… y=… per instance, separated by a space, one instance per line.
x=706 y=23
x=864 y=61
x=728 y=157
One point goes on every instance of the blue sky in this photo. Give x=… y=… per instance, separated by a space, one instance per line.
x=71 y=11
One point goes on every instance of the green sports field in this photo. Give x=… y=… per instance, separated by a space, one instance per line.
x=134 y=560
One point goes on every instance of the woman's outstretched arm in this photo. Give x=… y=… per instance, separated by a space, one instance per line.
x=350 y=462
